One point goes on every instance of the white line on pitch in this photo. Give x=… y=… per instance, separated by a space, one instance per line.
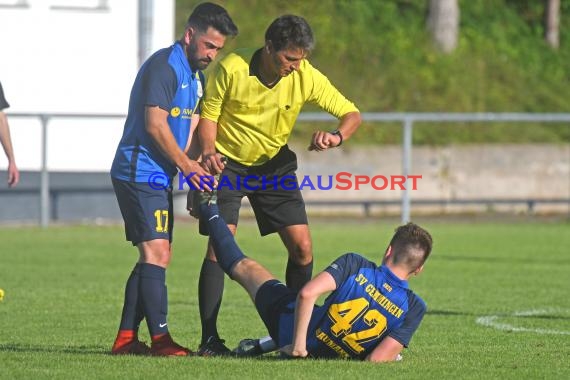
x=492 y=321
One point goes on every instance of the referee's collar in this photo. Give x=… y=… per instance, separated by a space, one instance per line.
x=254 y=63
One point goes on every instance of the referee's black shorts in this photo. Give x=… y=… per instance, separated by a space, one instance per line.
x=272 y=190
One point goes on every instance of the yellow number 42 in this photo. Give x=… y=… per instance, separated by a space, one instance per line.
x=345 y=314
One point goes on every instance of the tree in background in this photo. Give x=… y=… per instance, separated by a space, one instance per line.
x=552 y=23
x=443 y=24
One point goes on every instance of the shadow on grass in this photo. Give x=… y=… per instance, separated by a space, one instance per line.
x=446 y=313
x=494 y=260
x=80 y=350
x=552 y=315
x=98 y=350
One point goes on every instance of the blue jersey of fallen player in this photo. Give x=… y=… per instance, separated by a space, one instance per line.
x=369 y=303
x=167 y=81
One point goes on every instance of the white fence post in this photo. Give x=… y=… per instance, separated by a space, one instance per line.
x=44 y=185
x=406 y=166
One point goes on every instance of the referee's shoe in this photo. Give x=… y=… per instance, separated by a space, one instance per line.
x=214 y=346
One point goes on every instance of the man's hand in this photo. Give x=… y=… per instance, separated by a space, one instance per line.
x=322 y=140
x=291 y=352
x=13 y=175
x=191 y=193
x=196 y=174
x=213 y=162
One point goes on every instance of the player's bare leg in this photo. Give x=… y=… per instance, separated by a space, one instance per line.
x=251 y=275
x=247 y=272
x=297 y=240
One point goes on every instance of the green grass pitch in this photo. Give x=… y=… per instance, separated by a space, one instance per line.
x=64 y=288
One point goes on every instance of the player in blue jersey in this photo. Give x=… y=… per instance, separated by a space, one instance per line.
x=371 y=314
x=163 y=109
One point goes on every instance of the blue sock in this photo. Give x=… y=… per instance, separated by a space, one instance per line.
x=227 y=251
x=152 y=290
x=132 y=307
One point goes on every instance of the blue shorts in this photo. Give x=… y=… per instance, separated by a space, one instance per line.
x=147 y=212
x=273 y=299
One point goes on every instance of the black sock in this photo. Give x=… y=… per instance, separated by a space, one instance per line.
x=210 y=291
x=152 y=290
x=297 y=275
x=132 y=307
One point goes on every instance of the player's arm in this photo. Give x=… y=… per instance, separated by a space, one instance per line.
x=308 y=295
x=322 y=140
x=5 y=138
x=195 y=153
x=386 y=351
x=389 y=348
x=157 y=127
x=207 y=131
x=193 y=150
x=330 y=99
x=216 y=89
x=6 y=141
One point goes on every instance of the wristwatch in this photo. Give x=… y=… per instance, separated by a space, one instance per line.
x=337 y=133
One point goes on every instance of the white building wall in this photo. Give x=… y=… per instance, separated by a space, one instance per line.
x=72 y=56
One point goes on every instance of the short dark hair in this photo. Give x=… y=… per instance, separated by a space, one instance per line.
x=210 y=14
x=290 y=30
x=411 y=246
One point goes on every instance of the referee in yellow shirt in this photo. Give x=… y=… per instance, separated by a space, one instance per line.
x=251 y=102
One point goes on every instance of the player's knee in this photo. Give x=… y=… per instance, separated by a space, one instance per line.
x=305 y=248
x=162 y=258
x=302 y=252
x=157 y=255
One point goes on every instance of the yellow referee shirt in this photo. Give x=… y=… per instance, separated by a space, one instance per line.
x=255 y=121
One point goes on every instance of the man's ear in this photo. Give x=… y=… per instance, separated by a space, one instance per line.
x=188 y=34
x=418 y=271
x=387 y=254
x=268 y=46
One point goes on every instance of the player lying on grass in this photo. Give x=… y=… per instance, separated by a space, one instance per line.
x=370 y=314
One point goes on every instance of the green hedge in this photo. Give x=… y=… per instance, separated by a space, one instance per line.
x=379 y=54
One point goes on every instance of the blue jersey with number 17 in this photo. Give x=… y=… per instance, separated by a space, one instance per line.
x=369 y=303
x=167 y=81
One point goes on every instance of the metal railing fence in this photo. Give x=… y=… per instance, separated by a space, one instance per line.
x=406 y=119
